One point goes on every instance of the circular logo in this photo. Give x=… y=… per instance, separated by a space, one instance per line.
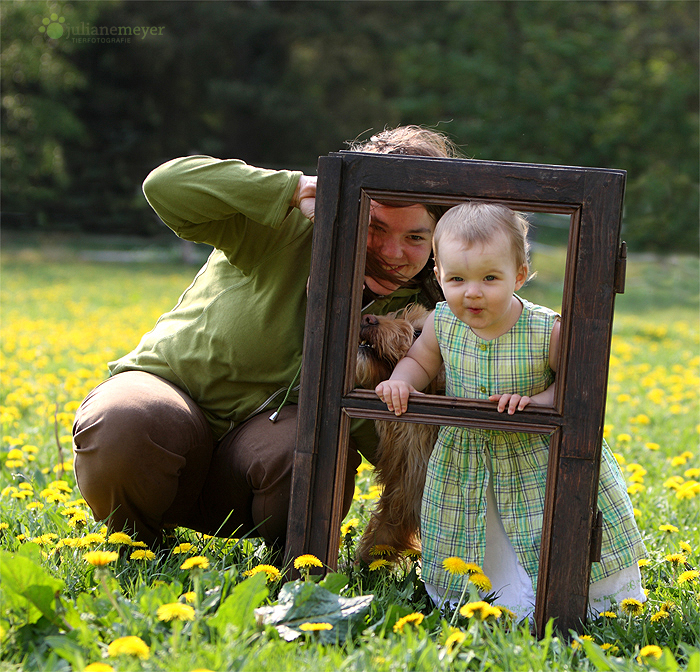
x=53 y=26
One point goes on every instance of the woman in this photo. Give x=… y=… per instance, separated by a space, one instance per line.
x=180 y=434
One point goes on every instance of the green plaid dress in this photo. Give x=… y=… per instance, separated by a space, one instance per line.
x=453 y=515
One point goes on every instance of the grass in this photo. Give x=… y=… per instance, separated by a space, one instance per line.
x=62 y=320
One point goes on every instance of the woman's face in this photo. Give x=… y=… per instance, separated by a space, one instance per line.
x=401 y=240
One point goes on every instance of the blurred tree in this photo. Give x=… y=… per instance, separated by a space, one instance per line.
x=37 y=117
x=609 y=84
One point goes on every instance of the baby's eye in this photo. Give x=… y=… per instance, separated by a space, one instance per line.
x=490 y=278
x=456 y=278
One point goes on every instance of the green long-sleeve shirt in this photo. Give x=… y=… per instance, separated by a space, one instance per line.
x=233 y=341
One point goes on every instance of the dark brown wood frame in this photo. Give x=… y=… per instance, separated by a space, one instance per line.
x=595 y=271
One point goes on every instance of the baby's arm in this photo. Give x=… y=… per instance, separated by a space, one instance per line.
x=516 y=402
x=414 y=372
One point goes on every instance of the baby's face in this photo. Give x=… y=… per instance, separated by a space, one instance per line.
x=479 y=281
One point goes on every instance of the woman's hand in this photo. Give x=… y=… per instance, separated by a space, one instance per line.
x=305 y=196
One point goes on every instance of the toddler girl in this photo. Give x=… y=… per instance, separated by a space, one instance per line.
x=484 y=491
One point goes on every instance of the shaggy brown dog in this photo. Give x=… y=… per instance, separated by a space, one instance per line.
x=404 y=447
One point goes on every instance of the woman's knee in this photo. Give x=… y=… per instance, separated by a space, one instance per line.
x=133 y=434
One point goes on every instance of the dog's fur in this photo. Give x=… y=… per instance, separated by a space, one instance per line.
x=404 y=447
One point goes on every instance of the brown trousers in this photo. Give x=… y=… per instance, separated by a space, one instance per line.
x=145 y=459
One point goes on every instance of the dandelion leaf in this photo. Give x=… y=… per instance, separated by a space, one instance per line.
x=597 y=656
x=27 y=589
x=306 y=602
x=237 y=610
x=334 y=582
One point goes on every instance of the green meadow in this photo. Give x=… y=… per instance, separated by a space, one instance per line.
x=74 y=597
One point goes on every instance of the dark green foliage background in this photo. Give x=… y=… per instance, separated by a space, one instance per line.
x=605 y=84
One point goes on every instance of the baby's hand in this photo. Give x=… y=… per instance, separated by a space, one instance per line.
x=514 y=402
x=394 y=393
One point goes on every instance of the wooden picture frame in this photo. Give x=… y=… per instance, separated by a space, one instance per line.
x=595 y=271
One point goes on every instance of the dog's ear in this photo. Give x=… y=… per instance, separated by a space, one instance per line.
x=416 y=314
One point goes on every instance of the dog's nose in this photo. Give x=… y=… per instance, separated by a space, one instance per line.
x=368 y=320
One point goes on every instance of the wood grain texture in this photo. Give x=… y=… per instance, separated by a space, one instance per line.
x=594 y=272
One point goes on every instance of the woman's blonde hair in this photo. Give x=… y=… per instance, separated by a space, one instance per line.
x=480 y=222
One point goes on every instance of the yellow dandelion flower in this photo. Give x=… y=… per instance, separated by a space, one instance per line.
x=382 y=549
x=78 y=519
x=678 y=460
x=608 y=614
x=315 y=627
x=643 y=562
x=60 y=485
x=688 y=490
x=98 y=667
x=378 y=564
x=455 y=565
x=91 y=539
x=607 y=646
x=414 y=619
x=668 y=528
x=481 y=609
x=650 y=445
x=676 y=558
x=139 y=544
x=691 y=576
x=34 y=505
x=350 y=526
x=635 y=488
x=100 y=558
x=120 y=538
x=576 y=644
x=454 y=640
x=190 y=596
x=685 y=546
x=129 y=646
x=175 y=611
x=659 y=616
x=674 y=482
x=624 y=438
x=694 y=472
x=631 y=606
x=650 y=651
x=4 y=526
x=182 y=548
x=142 y=554
x=641 y=419
x=481 y=581
x=307 y=561
x=273 y=574
x=195 y=562
x=411 y=554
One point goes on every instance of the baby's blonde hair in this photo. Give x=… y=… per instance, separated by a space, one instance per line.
x=480 y=222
